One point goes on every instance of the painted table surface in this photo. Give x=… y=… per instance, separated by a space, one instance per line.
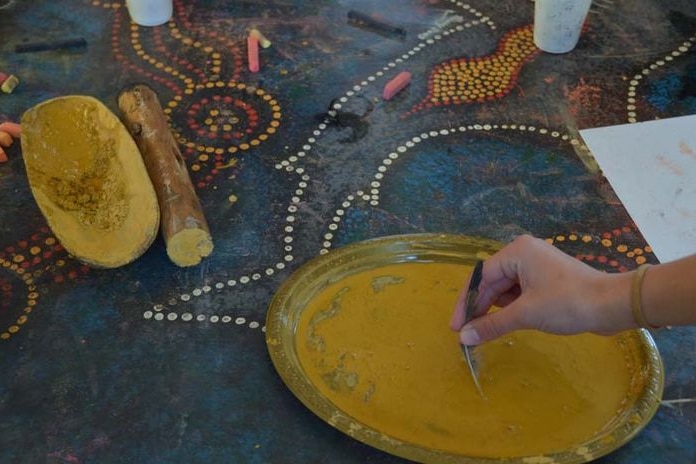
x=155 y=363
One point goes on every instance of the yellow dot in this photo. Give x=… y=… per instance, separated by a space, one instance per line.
x=254 y=142
x=209 y=149
x=21 y=320
x=271 y=130
x=232 y=150
x=4 y=335
x=203 y=157
x=586 y=238
x=18 y=258
x=573 y=237
x=195 y=168
x=244 y=146
x=648 y=249
x=227 y=127
x=28 y=309
x=274 y=124
x=208 y=49
x=622 y=248
x=35 y=250
x=210 y=85
x=640 y=260
x=560 y=238
x=263 y=137
x=13 y=329
x=638 y=251
x=232 y=199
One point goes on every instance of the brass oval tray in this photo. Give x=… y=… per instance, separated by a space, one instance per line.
x=331 y=373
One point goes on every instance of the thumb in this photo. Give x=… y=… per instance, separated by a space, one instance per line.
x=490 y=326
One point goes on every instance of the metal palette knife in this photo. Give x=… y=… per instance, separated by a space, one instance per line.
x=471 y=294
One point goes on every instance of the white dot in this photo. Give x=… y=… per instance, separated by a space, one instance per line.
x=214 y=319
x=254 y=325
x=159 y=316
x=172 y=316
x=239 y=321
x=226 y=319
x=186 y=317
x=147 y=314
x=200 y=317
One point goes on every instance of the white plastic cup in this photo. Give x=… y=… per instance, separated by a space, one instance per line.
x=558 y=23
x=150 y=12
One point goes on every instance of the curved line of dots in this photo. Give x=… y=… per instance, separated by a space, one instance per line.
x=158 y=315
x=372 y=195
x=228 y=43
x=633 y=83
x=157 y=64
x=447 y=20
x=127 y=63
x=380 y=74
x=608 y=240
x=288 y=240
x=107 y=5
x=266 y=97
x=32 y=298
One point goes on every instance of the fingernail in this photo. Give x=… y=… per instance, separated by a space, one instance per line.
x=469 y=336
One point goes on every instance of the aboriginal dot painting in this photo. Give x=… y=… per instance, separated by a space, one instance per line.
x=151 y=362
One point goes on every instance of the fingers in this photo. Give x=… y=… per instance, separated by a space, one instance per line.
x=491 y=326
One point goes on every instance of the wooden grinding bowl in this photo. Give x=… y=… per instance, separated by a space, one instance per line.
x=89 y=180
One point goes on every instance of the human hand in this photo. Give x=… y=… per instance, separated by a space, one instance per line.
x=540 y=287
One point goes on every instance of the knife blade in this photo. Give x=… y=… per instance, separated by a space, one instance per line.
x=471 y=295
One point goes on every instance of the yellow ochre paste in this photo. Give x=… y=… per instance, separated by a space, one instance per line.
x=377 y=344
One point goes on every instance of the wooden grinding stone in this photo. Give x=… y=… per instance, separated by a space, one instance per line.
x=184 y=228
x=89 y=180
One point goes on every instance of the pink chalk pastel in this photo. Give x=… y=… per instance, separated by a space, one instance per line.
x=12 y=128
x=396 y=85
x=253 y=53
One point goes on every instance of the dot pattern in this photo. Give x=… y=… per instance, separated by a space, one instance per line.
x=371 y=194
x=476 y=80
x=40 y=258
x=633 y=84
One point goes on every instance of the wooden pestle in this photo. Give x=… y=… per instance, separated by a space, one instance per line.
x=184 y=228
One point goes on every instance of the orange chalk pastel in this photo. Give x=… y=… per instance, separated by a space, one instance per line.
x=396 y=85
x=253 y=53
x=5 y=139
x=12 y=128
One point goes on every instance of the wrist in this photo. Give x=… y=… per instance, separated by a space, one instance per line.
x=611 y=306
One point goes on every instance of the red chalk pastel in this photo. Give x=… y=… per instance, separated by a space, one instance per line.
x=12 y=128
x=396 y=85
x=253 y=53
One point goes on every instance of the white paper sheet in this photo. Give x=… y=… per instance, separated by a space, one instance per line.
x=652 y=167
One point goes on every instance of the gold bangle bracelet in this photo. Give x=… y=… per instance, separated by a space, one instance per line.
x=636 y=299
